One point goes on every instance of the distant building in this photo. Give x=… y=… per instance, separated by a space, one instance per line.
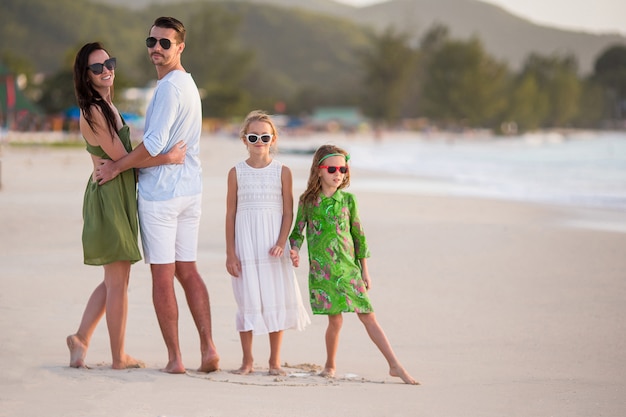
x=334 y=119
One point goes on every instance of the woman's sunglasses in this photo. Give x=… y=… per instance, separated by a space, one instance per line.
x=164 y=42
x=253 y=138
x=332 y=170
x=99 y=68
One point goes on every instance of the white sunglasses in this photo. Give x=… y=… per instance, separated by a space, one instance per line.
x=253 y=138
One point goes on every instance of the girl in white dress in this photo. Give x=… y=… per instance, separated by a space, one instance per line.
x=259 y=213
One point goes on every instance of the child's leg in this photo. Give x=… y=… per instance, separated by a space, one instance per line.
x=276 y=340
x=246 y=346
x=377 y=335
x=332 y=344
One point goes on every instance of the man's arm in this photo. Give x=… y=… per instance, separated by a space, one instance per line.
x=139 y=158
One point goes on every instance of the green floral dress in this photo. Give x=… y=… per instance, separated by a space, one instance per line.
x=335 y=242
x=110 y=224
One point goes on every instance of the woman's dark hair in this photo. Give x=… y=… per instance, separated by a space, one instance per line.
x=86 y=95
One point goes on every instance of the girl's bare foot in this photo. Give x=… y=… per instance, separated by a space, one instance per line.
x=277 y=372
x=328 y=373
x=244 y=370
x=78 y=351
x=401 y=373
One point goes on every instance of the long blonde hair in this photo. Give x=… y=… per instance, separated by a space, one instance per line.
x=314 y=185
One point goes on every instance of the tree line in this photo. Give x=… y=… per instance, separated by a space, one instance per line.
x=450 y=83
x=457 y=84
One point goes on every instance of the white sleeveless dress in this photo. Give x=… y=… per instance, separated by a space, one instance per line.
x=267 y=293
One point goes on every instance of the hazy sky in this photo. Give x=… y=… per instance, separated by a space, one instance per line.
x=600 y=16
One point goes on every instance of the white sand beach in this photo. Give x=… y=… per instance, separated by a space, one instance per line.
x=498 y=308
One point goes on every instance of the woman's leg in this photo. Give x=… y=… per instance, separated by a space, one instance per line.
x=78 y=343
x=116 y=277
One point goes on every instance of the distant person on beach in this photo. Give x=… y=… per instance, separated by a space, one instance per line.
x=170 y=196
x=109 y=211
x=338 y=277
x=259 y=213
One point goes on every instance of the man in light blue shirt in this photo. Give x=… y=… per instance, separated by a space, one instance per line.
x=174 y=114
x=170 y=196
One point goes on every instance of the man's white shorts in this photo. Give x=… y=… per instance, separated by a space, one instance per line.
x=169 y=229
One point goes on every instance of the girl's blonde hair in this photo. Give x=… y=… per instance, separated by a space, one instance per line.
x=314 y=185
x=257 y=116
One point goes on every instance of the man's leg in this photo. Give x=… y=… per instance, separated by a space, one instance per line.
x=198 y=300
x=166 y=308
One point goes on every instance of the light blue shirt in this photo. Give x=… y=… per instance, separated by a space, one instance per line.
x=174 y=114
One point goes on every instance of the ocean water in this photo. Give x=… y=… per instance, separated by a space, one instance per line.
x=585 y=169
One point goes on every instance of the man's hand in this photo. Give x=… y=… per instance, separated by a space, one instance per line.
x=105 y=171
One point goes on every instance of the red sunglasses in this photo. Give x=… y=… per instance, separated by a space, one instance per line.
x=332 y=170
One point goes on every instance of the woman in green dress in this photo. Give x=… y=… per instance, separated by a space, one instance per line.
x=338 y=275
x=109 y=211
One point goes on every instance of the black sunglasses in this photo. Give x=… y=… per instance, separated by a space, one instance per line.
x=253 y=138
x=332 y=170
x=99 y=68
x=164 y=42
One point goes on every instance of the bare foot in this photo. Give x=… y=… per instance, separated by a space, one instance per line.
x=328 y=373
x=277 y=372
x=174 y=367
x=78 y=351
x=401 y=373
x=244 y=370
x=210 y=364
x=129 y=363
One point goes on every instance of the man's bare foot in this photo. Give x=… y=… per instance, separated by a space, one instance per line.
x=128 y=363
x=210 y=364
x=78 y=351
x=174 y=367
x=277 y=372
x=244 y=370
x=328 y=373
x=401 y=373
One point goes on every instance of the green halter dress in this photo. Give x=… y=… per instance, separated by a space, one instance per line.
x=110 y=224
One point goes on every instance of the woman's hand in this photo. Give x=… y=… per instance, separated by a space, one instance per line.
x=177 y=154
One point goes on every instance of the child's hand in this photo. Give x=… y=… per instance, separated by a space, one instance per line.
x=367 y=281
x=295 y=257
x=277 y=251
x=233 y=266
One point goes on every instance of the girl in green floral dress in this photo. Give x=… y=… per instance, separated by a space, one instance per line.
x=338 y=275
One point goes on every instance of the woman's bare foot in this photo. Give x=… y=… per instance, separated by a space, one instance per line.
x=174 y=367
x=128 y=363
x=210 y=364
x=401 y=373
x=277 y=372
x=244 y=370
x=78 y=351
x=328 y=373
